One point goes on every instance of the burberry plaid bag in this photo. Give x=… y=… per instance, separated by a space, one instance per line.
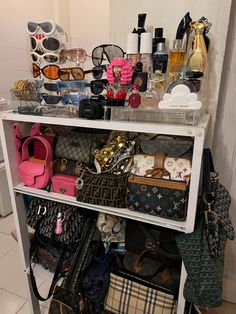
x=126 y=296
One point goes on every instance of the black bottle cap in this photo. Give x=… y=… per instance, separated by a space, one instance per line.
x=158 y=32
x=160 y=40
x=141 y=20
x=138 y=67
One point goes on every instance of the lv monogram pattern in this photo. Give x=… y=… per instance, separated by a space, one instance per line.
x=103 y=189
x=178 y=168
x=158 y=201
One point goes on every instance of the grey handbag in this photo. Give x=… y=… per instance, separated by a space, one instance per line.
x=79 y=146
x=171 y=146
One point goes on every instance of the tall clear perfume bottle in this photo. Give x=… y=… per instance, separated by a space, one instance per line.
x=176 y=60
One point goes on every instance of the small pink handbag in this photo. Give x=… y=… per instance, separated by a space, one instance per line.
x=33 y=174
x=64 y=184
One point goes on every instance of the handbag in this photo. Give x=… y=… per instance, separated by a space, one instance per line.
x=105 y=189
x=152 y=256
x=67 y=298
x=33 y=174
x=39 y=151
x=68 y=167
x=57 y=224
x=202 y=250
x=176 y=168
x=158 y=197
x=79 y=146
x=64 y=184
x=127 y=296
x=171 y=146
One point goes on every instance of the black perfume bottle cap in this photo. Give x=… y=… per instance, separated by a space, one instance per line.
x=158 y=32
x=138 y=67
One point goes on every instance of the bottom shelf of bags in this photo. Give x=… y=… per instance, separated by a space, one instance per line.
x=123 y=212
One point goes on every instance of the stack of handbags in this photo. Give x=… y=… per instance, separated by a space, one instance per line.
x=160 y=180
x=74 y=151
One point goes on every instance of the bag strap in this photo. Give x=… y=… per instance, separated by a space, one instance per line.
x=208 y=168
x=25 y=151
x=57 y=275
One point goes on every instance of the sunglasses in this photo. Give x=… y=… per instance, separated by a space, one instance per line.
x=97 y=86
x=50 y=87
x=73 y=99
x=51 y=99
x=49 y=71
x=78 y=73
x=46 y=27
x=47 y=43
x=72 y=85
x=48 y=57
x=77 y=55
x=110 y=51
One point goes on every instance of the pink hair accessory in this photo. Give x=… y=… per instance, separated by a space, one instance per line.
x=125 y=74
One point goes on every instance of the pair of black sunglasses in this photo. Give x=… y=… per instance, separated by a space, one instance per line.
x=51 y=99
x=110 y=51
x=97 y=86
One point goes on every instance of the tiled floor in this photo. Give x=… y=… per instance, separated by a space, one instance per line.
x=13 y=294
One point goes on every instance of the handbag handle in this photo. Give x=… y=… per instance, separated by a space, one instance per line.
x=57 y=275
x=25 y=151
x=158 y=170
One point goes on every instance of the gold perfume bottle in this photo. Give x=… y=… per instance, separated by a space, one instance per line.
x=176 y=60
x=197 y=58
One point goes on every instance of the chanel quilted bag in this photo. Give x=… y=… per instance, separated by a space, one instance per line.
x=79 y=146
x=106 y=189
x=159 y=197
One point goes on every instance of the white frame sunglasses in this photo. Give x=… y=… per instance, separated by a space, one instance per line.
x=47 y=27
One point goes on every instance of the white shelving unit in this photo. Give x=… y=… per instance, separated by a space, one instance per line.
x=17 y=189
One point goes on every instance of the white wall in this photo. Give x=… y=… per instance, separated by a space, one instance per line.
x=167 y=14
x=224 y=149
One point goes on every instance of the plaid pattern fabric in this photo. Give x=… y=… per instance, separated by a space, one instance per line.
x=128 y=297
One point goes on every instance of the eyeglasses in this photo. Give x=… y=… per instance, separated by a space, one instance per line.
x=47 y=43
x=72 y=85
x=51 y=99
x=50 y=87
x=73 y=99
x=78 y=73
x=77 y=55
x=46 y=27
x=51 y=58
x=49 y=71
x=110 y=51
x=97 y=86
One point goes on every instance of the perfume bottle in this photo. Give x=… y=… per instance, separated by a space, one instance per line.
x=197 y=58
x=132 y=54
x=146 y=52
x=157 y=34
x=149 y=99
x=182 y=80
x=139 y=77
x=135 y=98
x=159 y=83
x=160 y=57
x=176 y=60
